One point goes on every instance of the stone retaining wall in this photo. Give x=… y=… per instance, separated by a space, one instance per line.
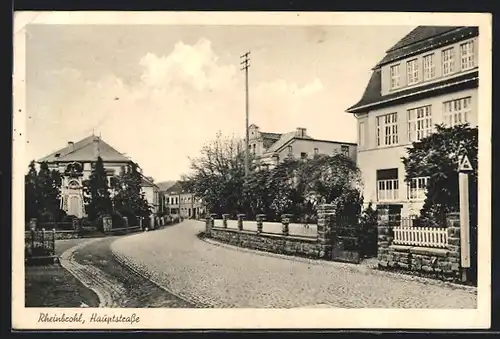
x=269 y=242
x=319 y=246
x=444 y=263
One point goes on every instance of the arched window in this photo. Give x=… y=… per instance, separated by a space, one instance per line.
x=74 y=184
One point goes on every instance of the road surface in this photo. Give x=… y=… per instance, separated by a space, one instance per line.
x=221 y=276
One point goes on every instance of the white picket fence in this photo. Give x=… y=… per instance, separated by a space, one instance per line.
x=421 y=236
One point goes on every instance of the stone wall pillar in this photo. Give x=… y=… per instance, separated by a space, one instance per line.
x=107 y=224
x=208 y=225
x=285 y=221
x=388 y=217
x=260 y=222
x=240 y=221
x=453 y=240
x=326 y=233
x=125 y=222
x=225 y=218
x=76 y=225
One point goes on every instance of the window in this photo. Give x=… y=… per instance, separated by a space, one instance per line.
x=429 y=68
x=344 y=150
x=395 y=76
x=290 y=149
x=387 y=129
x=467 y=55
x=417 y=188
x=412 y=71
x=448 y=62
x=303 y=155
x=419 y=123
x=457 y=111
x=316 y=151
x=361 y=137
x=387 y=185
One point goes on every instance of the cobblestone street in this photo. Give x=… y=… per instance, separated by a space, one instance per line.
x=221 y=276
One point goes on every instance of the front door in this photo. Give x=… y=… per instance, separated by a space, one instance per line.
x=74 y=205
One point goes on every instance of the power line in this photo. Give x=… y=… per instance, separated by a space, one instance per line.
x=245 y=65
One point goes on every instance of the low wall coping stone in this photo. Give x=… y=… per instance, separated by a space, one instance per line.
x=401 y=248
x=440 y=252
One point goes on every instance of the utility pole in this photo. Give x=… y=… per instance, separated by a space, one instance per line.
x=245 y=65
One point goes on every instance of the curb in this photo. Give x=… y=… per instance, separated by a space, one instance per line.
x=65 y=260
x=350 y=267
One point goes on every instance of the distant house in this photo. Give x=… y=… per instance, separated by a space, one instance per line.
x=180 y=202
x=76 y=161
x=429 y=77
x=272 y=148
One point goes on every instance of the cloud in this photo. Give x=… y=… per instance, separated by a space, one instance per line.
x=180 y=102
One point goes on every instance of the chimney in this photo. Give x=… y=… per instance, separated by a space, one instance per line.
x=301 y=132
x=71 y=146
x=96 y=147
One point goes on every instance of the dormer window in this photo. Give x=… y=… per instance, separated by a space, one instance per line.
x=467 y=55
x=448 y=61
x=429 y=68
x=395 y=76
x=58 y=155
x=412 y=71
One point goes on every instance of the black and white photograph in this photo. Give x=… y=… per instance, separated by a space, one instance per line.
x=251 y=170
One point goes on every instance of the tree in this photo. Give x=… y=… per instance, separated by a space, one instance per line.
x=97 y=199
x=436 y=157
x=48 y=192
x=325 y=177
x=218 y=174
x=31 y=197
x=129 y=199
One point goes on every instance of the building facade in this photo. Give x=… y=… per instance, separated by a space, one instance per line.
x=181 y=203
x=75 y=163
x=429 y=77
x=269 y=149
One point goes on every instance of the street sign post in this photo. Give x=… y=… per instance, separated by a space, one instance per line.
x=464 y=169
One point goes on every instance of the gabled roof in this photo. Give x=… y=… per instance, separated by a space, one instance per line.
x=84 y=150
x=284 y=139
x=419 y=40
x=165 y=185
x=175 y=188
x=425 y=38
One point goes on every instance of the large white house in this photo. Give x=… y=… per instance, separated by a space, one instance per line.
x=75 y=162
x=429 y=77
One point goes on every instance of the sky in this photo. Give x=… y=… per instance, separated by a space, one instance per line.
x=159 y=93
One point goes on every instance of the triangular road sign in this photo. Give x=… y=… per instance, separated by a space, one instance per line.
x=464 y=165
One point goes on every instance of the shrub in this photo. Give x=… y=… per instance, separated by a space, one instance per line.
x=60 y=215
x=46 y=217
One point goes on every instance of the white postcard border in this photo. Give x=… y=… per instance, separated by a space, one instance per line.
x=27 y=318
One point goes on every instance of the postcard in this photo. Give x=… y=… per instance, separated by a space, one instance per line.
x=251 y=170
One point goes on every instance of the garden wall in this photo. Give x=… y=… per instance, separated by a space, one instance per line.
x=318 y=246
x=441 y=262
